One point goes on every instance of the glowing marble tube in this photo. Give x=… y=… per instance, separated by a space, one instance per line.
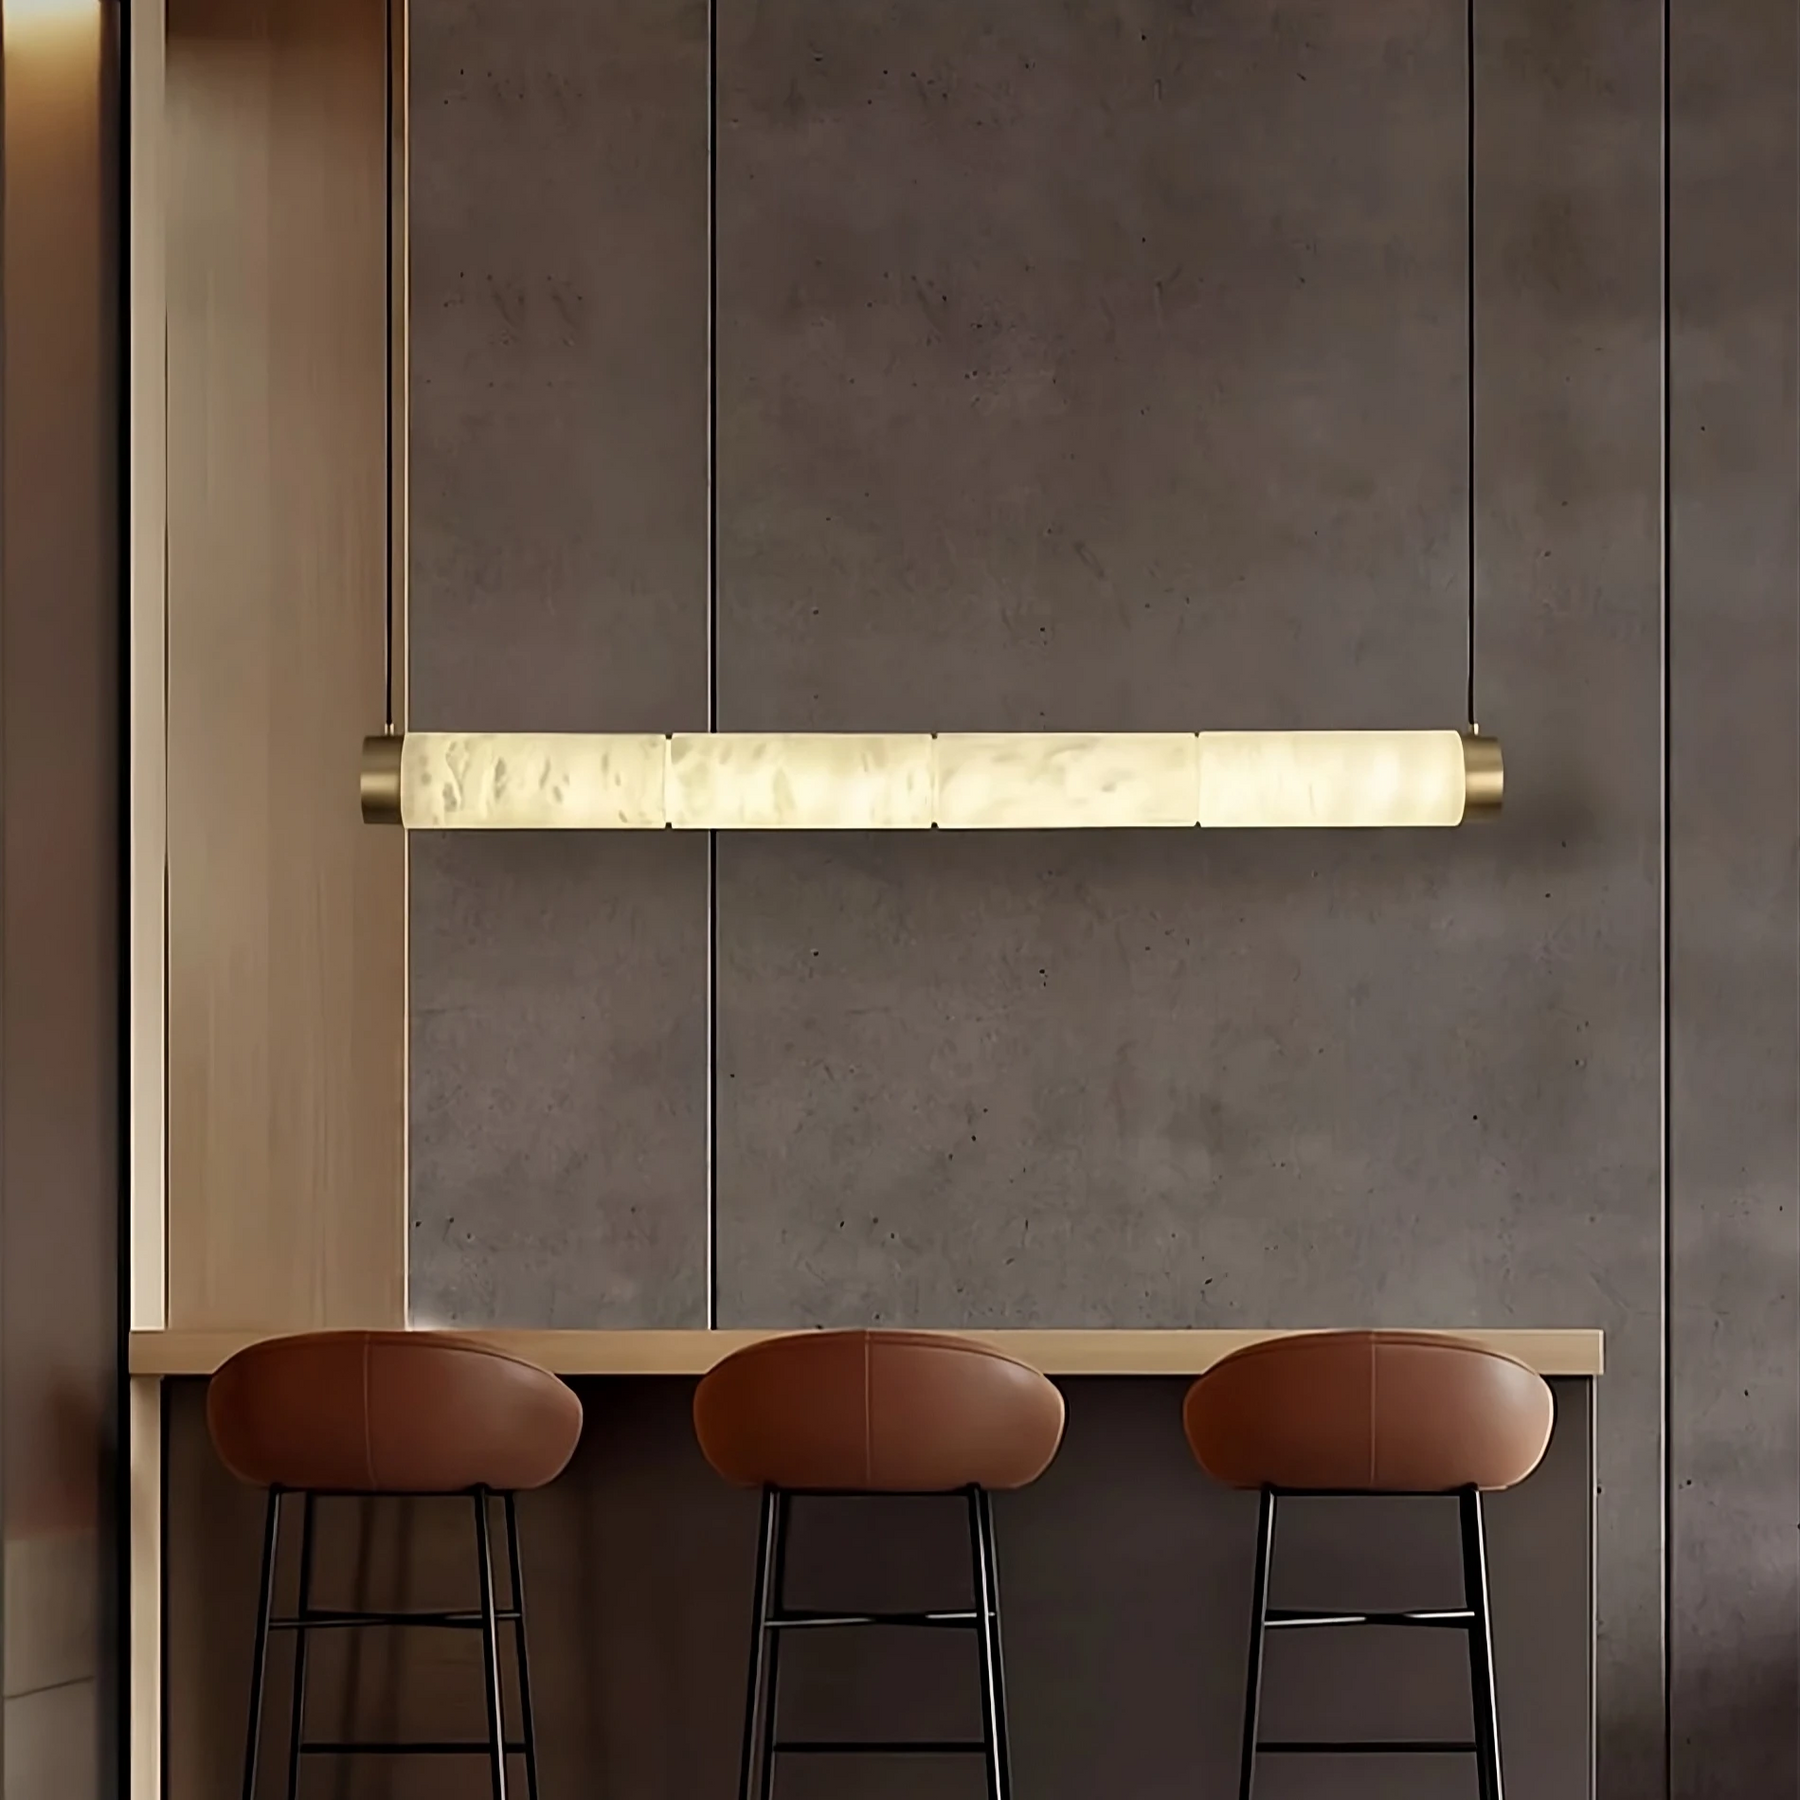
x=912 y=781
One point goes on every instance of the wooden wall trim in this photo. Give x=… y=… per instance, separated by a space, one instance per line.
x=144 y=1590
x=147 y=550
x=144 y=1602
x=1554 y=1352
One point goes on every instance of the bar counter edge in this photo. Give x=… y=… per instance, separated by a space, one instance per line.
x=1078 y=1352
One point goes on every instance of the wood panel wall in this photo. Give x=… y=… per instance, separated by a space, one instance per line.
x=286 y=974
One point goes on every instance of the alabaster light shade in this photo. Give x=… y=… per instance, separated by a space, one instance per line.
x=914 y=781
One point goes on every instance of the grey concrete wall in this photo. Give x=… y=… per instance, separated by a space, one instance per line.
x=558 y=578
x=1085 y=368
x=1100 y=366
x=1734 y=845
x=1125 y=1607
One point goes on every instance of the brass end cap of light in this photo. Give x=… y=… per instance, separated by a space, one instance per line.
x=1484 y=776
x=379 y=783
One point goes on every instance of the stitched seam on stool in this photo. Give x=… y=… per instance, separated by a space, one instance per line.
x=368 y=1432
x=868 y=1418
x=1374 y=1403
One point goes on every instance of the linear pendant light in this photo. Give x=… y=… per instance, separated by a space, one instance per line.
x=918 y=781
x=914 y=781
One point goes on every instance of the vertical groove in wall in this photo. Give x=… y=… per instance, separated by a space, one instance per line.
x=1666 y=1497
x=712 y=659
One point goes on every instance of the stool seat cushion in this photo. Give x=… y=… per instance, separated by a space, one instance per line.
x=891 y=1412
x=1370 y=1412
x=372 y=1412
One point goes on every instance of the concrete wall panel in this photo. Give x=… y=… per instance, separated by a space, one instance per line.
x=1734 y=979
x=558 y=581
x=1101 y=367
x=1082 y=367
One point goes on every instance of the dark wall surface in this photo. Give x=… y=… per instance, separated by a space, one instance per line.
x=1124 y=1601
x=61 y=914
x=1102 y=367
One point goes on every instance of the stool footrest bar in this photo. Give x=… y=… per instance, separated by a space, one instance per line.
x=881 y=1747
x=1370 y=1747
x=1459 y=1617
x=325 y=1621
x=941 y=1621
x=455 y=1747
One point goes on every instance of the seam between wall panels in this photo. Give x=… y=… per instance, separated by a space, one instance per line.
x=712 y=674
x=1666 y=1470
x=368 y=1431
x=1374 y=1406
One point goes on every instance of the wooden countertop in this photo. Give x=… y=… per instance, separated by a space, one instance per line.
x=1101 y=1352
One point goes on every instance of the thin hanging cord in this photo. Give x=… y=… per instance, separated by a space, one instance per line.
x=387 y=445
x=712 y=655
x=1665 y=558
x=1469 y=347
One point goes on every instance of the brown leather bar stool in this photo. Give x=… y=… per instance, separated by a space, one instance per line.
x=1365 y=1413
x=844 y=1414
x=391 y=1412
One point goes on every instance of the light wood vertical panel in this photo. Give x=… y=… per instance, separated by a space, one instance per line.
x=286 y=916
x=145 y=1609
x=148 y=551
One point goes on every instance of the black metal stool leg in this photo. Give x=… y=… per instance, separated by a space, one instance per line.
x=259 y=1655
x=297 y=1716
x=517 y=1579
x=984 y=1641
x=490 y=1648
x=991 y=1560
x=760 y=1634
x=1259 y=1611
x=1481 y=1646
x=772 y=1656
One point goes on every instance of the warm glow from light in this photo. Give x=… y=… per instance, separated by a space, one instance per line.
x=740 y=781
x=1050 y=781
x=1251 y=779
x=911 y=781
x=532 y=781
